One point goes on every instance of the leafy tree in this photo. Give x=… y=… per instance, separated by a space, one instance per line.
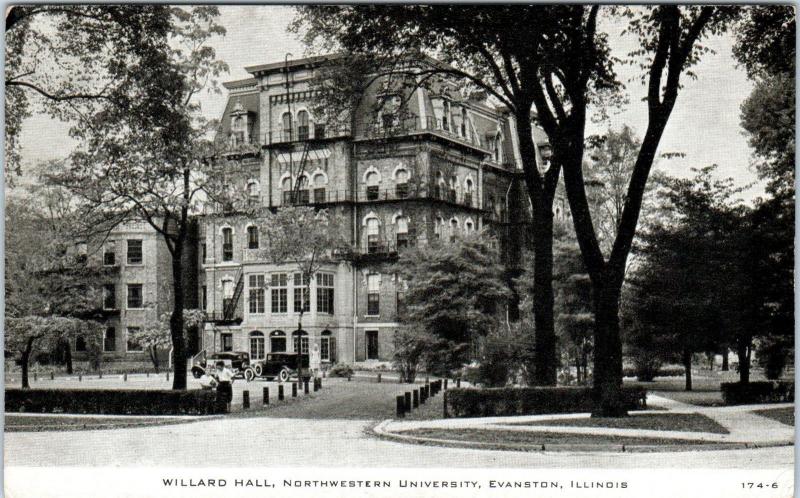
x=150 y=160
x=500 y=50
x=156 y=337
x=455 y=295
x=410 y=347
x=75 y=60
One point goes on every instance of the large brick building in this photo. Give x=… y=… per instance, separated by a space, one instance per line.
x=413 y=166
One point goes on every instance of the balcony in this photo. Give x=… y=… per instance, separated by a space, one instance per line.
x=279 y=135
x=239 y=145
x=387 y=127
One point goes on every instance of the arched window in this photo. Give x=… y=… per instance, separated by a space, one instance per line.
x=257 y=345
x=401 y=232
x=469 y=226
x=80 y=344
x=287 y=127
x=451 y=195
x=227 y=293
x=326 y=346
x=498 y=151
x=302 y=189
x=252 y=237
x=286 y=188
x=438 y=227
x=439 y=187
x=373 y=235
x=237 y=131
x=302 y=125
x=300 y=341
x=252 y=190
x=446 y=115
x=227 y=244
x=319 y=188
x=401 y=183
x=464 y=126
x=453 y=229
x=373 y=179
x=468 y=192
x=277 y=341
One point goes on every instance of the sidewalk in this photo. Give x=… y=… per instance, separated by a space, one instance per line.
x=743 y=425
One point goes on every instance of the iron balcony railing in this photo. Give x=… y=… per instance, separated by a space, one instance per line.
x=399 y=192
x=280 y=135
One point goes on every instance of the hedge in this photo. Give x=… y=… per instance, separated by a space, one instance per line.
x=505 y=401
x=668 y=371
x=736 y=393
x=114 y=401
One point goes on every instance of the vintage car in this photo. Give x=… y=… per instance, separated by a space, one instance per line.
x=281 y=366
x=238 y=361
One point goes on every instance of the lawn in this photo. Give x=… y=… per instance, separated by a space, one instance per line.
x=691 y=422
x=25 y=423
x=536 y=439
x=782 y=415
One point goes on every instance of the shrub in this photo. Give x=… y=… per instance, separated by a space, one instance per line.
x=114 y=401
x=772 y=357
x=668 y=371
x=508 y=401
x=340 y=370
x=737 y=393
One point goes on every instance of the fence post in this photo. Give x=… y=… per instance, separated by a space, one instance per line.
x=52 y=376
x=35 y=377
x=458 y=382
x=266 y=396
x=401 y=405
x=245 y=399
x=379 y=378
x=422 y=396
x=415 y=395
x=294 y=389
x=167 y=375
x=80 y=377
x=445 y=384
x=101 y=374
x=444 y=402
x=305 y=385
x=125 y=377
x=348 y=377
x=320 y=383
x=316 y=385
x=407 y=397
x=280 y=392
x=147 y=374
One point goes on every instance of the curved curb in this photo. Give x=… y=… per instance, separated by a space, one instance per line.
x=379 y=430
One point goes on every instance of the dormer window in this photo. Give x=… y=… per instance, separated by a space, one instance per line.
x=390 y=111
x=302 y=125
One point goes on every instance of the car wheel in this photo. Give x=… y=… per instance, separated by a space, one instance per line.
x=197 y=373
x=259 y=370
x=249 y=374
x=284 y=375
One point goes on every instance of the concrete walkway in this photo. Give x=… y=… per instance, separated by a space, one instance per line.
x=743 y=425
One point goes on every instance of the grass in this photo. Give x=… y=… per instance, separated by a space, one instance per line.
x=45 y=423
x=690 y=422
x=544 y=438
x=705 y=386
x=782 y=415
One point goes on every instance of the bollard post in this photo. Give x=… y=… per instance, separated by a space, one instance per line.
x=80 y=377
x=316 y=385
x=422 y=395
x=305 y=385
x=415 y=394
x=348 y=378
x=167 y=376
x=407 y=397
x=445 y=384
x=401 y=405
x=379 y=378
x=280 y=392
x=52 y=376
x=35 y=377
x=444 y=402
x=427 y=379
x=323 y=374
x=458 y=382
x=245 y=399
x=294 y=389
x=147 y=374
x=266 y=395
x=320 y=383
x=125 y=377
x=101 y=374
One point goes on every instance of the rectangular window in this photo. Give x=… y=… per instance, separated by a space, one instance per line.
x=134 y=296
x=110 y=340
x=402 y=190
x=109 y=254
x=303 y=344
x=301 y=297
x=372 y=193
x=109 y=297
x=319 y=195
x=204 y=296
x=319 y=130
x=372 y=344
x=134 y=252
x=325 y=293
x=325 y=349
x=133 y=344
x=373 y=295
x=226 y=342
x=303 y=196
x=279 y=293
x=252 y=237
x=256 y=284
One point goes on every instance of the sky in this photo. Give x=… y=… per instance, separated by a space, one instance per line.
x=704 y=124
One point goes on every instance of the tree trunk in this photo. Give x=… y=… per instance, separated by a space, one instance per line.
x=26 y=357
x=176 y=320
x=68 y=358
x=742 y=351
x=577 y=367
x=687 y=367
x=725 y=365
x=607 y=381
x=545 y=361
